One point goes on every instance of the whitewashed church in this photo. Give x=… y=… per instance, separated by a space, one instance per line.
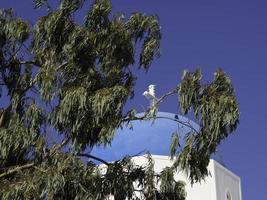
x=155 y=137
x=222 y=184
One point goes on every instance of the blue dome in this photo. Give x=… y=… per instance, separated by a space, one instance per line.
x=146 y=135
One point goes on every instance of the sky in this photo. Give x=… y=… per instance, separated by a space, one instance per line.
x=229 y=34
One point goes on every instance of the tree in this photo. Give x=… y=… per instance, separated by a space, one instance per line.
x=63 y=78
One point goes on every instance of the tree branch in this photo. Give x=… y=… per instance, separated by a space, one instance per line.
x=93 y=157
x=162 y=117
x=11 y=171
x=30 y=62
x=173 y=91
x=157 y=103
x=146 y=115
x=59 y=146
x=62 y=65
x=187 y=124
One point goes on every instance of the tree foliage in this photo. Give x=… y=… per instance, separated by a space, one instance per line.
x=60 y=77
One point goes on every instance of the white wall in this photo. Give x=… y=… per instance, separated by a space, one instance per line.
x=214 y=187
x=226 y=181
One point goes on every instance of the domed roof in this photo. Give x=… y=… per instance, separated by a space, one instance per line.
x=146 y=135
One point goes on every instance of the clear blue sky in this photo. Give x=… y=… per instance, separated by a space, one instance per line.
x=229 y=34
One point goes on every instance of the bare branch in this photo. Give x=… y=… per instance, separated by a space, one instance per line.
x=93 y=157
x=11 y=171
x=187 y=124
x=62 y=65
x=173 y=91
x=30 y=62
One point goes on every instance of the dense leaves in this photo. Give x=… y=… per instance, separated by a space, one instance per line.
x=215 y=106
x=63 y=79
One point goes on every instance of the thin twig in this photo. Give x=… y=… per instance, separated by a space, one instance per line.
x=30 y=62
x=180 y=122
x=162 y=117
x=41 y=170
x=62 y=144
x=93 y=157
x=173 y=91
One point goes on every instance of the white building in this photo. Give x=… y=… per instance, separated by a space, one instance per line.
x=155 y=137
x=222 y=184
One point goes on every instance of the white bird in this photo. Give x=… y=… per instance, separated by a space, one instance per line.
x=150 y=95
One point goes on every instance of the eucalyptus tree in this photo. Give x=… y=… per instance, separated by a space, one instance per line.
x=71 y=80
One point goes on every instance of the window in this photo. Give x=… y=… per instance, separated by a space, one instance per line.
x=228 y=196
